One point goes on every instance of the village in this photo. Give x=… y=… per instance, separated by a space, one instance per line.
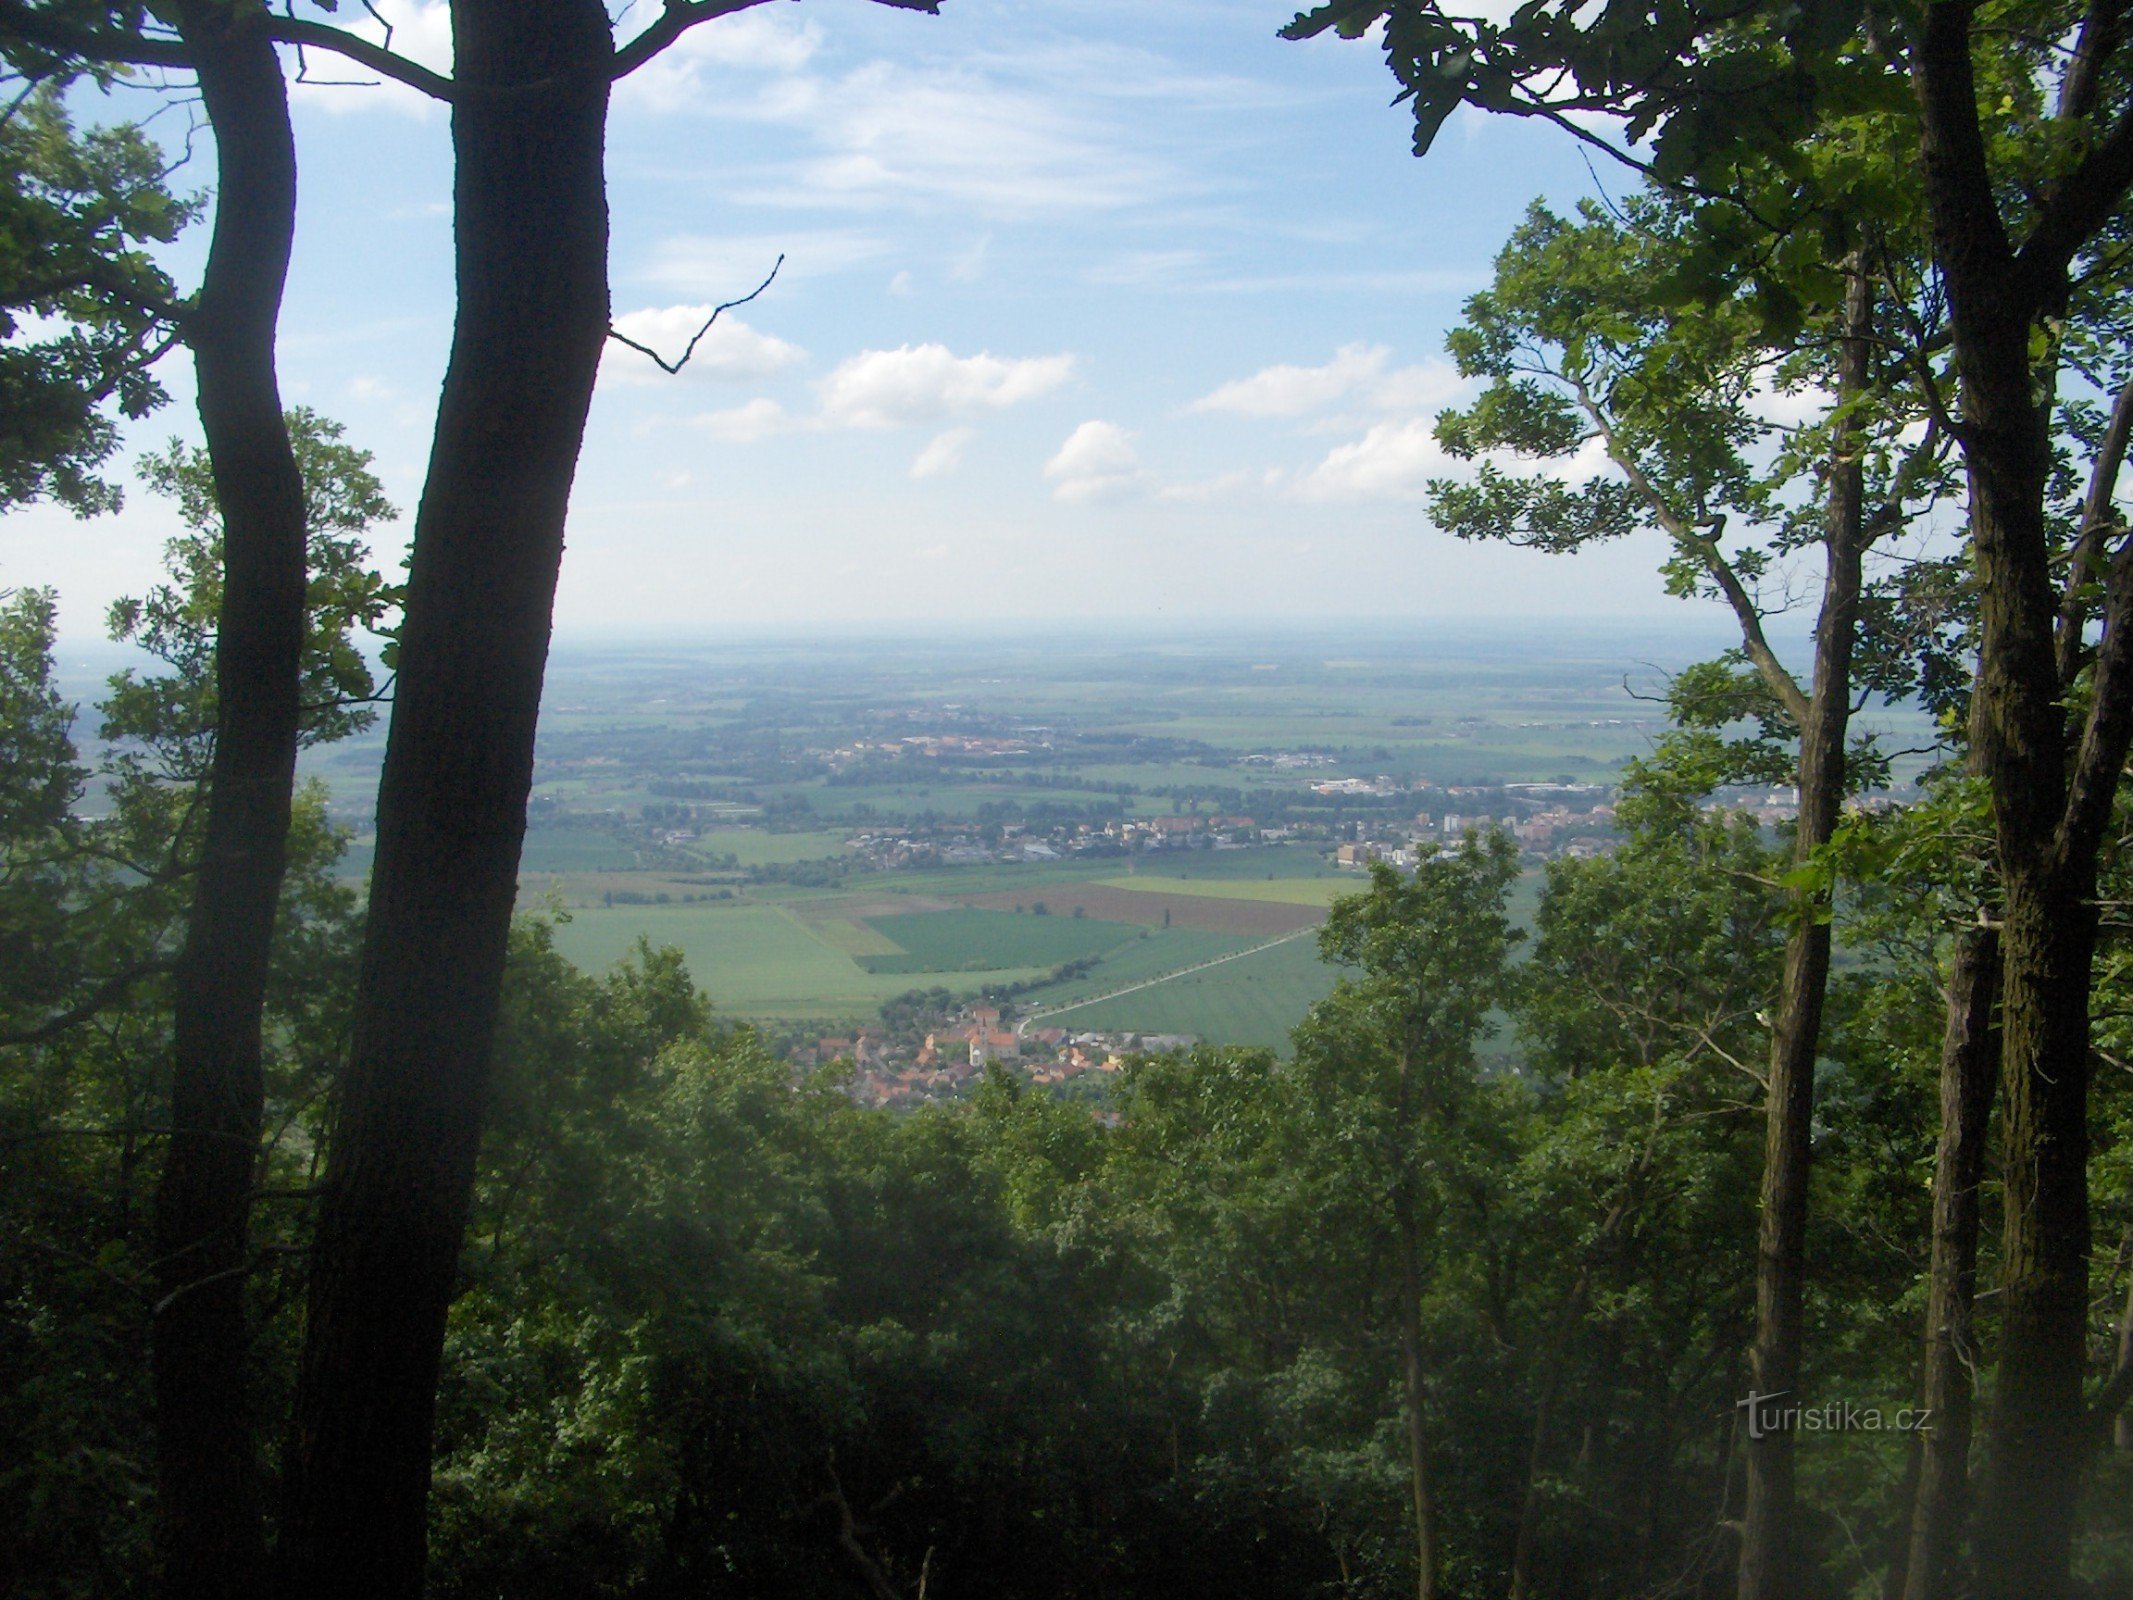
x=891 y=1071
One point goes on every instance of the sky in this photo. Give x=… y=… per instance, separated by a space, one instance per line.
x=1090 y=310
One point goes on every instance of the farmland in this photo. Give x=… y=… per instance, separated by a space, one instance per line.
x=821 y=829
x=971 y=940
x=1254 y=999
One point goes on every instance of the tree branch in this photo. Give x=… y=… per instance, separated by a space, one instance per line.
x=671 y=367
x=379 y=59
x=37 y=26
x=2110 y=721
x=1967 y=225
x=2096 y=523
x=104 y=995
x=1704 y=546
x=677 y=17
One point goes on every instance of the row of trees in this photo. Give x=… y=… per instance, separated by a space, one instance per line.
x=1910 y=221
x=529 y=97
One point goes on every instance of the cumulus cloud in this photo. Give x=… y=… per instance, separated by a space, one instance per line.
x=1288 y=391
x=1097 y=462
x=1393 y=461
x=421 y=30
x=943 y=455
x=1429 y=386
x=1357 y=373
x=730 y=350
x=924 y=383
x=910 y=385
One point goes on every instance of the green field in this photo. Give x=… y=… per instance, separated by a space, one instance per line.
x=1156 y=952
x=1254 y=1000
x=754 y=961
x=974 y=941
x=754 y=847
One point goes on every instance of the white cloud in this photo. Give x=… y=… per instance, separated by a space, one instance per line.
x=420 y=30
x=1393 y=461
x=923 y=383
x=730 y=350
x=1287 y=391
x=943 y=455
x=1429 y=388
x=679 y=77
x=1356 y=373
x=746 y=424
x=1097 y=462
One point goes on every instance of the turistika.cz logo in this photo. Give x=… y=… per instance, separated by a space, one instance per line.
x=1769 y=1415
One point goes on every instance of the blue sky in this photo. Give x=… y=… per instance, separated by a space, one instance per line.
x=1090 y=309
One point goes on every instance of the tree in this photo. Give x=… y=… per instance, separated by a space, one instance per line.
x=77 y=212
x=529 y=105
x=1583 y=344
x=1392 y=1086
x=209 y=1498
x=2026 y=154
x=92 y=909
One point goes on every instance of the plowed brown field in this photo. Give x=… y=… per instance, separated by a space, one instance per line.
x=1146 y=907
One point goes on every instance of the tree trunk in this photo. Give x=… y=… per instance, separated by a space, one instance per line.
x=1415 y=1390
x=1969 y=1062
x=1997 y=297
x=208 y=1496
x=1768 y=1554
x=2038 y=1438
x=531 y=216
x=2024 y=1529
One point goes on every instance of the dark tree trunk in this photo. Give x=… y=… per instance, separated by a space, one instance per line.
x=2037 y=1429
x=207 y=1484
x=1969 y=1065
x=1769 y=1555
x=531 y=215
x=2048 y=809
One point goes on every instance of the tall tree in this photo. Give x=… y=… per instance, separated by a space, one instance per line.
x=209 y=1498
x=1389 y=1068
x=1582 y=345
x=529 y=101
x=2024 y=126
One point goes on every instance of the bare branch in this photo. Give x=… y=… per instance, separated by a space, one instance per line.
x=675 y=366
x=677 y=17
x=320 y=36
